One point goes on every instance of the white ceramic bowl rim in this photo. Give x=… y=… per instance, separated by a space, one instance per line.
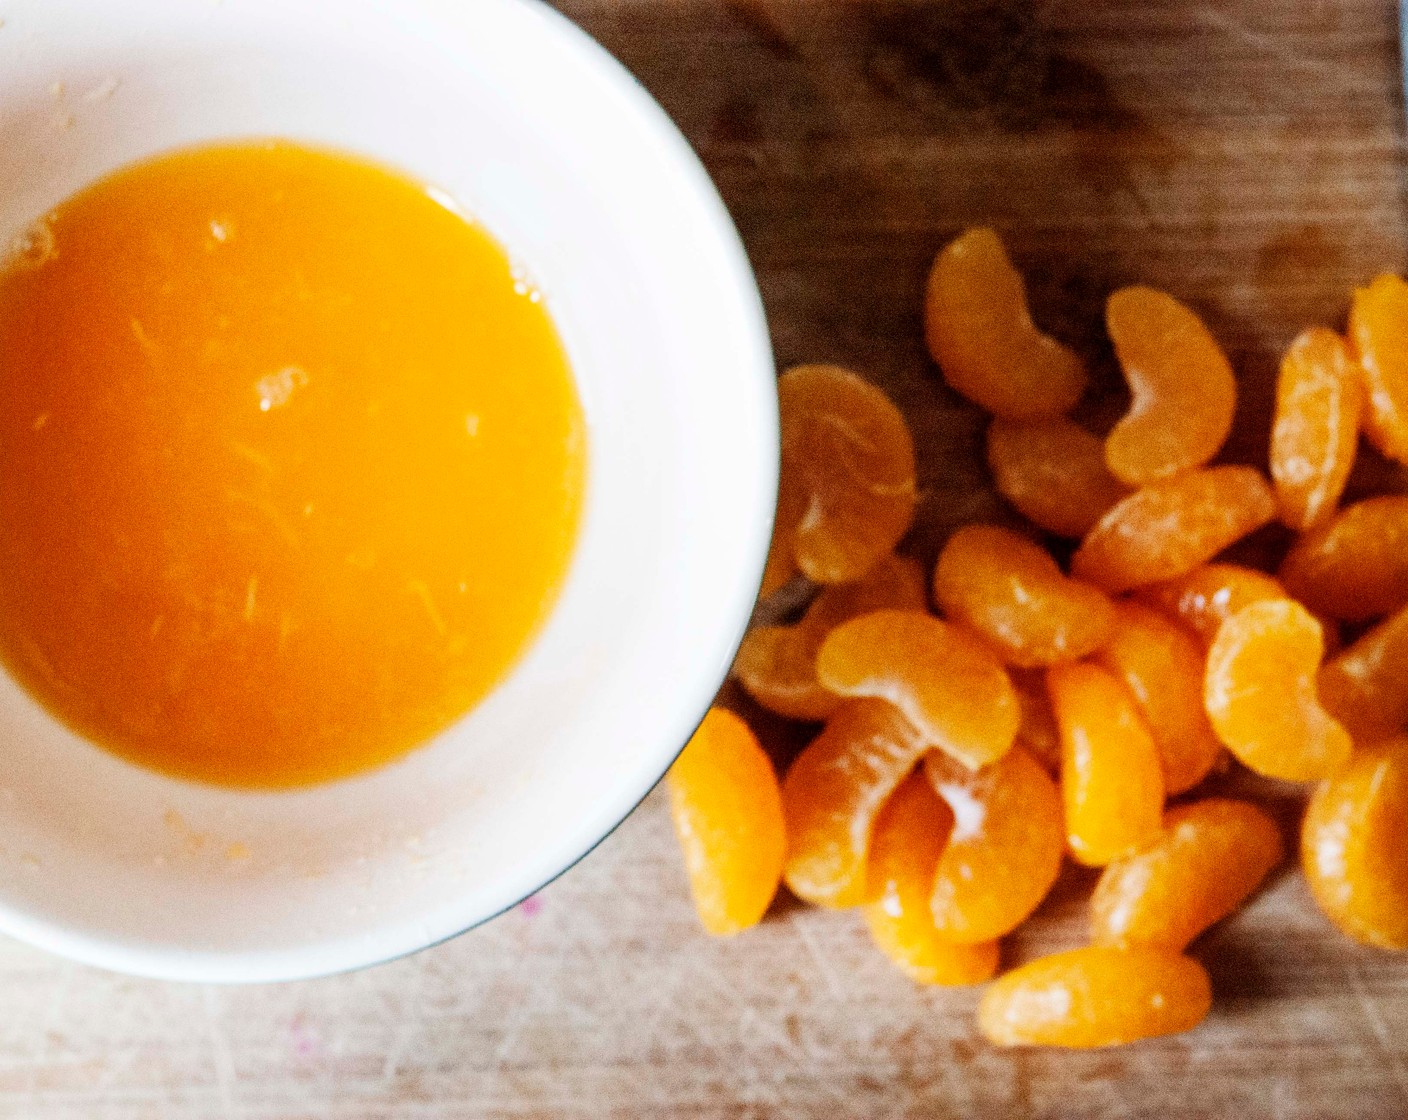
x=549 y=142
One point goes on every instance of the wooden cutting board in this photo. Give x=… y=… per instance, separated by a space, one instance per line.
x=1247 y=155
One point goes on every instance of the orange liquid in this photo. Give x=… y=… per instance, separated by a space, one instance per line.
x=291 y=465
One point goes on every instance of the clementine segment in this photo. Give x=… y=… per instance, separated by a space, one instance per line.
x=833 y=792
x=1037 y=731
x=1005 y=849
x=981 y=333
x=1184 y=392
x=1111 y=775
x=727 y=811
x=1354 y=846
x=909 y=839
x=1355 y=566
x=1010 y=592
x=1054 y=472
x=777 y=664
x=1365 y=687
x=1099 y=996
x=1166 y=530
x=1261 y=694
x=1210 y=859
x=1378 y=327
x=847 y=491
x=1207 y=597
x=1162 y=665
x=1319 y=401
x=943 y=679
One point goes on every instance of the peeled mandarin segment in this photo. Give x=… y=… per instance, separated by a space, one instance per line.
x=943 y=679
x=777 y=664
x=1366 y=686
x=895 y=582
x=1260 y=693
x=1011 y=592
x=782 y=558
x=1166 y=530
x=1354 y=846
x=727 y=810
x=909 y=838
x=1333 y=634
x=1038 y=731
x=1207 y=597
x=1006 y=847
x=1184 y=392
x=847 y=493
x=1210 y=859
x=1054 y=472
x=1098 y=996
x=1111 y=776
x=832 y=794
x=1354 y=567
x=1319 y=401
x=981 y=333
x=1378 y=327
x=1162 y=665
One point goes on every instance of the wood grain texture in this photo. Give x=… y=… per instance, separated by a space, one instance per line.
x=1246 y=155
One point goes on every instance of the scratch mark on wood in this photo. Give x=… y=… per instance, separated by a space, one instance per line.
x=768 y=1030
x=220 y=1053
x=1344 y=77
x=538 y=995
x=46 y=1031
x=404 y=1023
x=1378 y=1028
x=823 y=966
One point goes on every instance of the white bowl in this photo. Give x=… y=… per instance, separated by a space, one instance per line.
x=550 y=143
